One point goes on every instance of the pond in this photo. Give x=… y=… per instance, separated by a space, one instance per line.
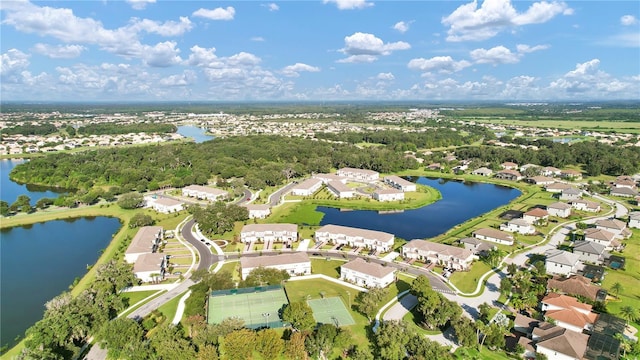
x=460 y=202
x=196 y=133
x=40 y=261
x=9 y=190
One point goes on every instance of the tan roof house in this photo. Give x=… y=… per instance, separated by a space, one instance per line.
x=269 y=232
x=535 y=215
x=556 y=187
x=355 y=237
x=559 y=209
x=439 y=254
x=602 y=237
x=146 y=240
x=388 y=195
x=508 y=165
x=576 y=285
x=559 y=343
x=359 y=174
x=296 y=263
x=258 y=211
x=400 y=183
x=493 y=235
x=367 y=274
x=307 y=187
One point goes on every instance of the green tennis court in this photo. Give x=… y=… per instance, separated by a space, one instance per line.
x=258 y=307
x=330 y=311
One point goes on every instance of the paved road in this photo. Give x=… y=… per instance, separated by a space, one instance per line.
x=206 y=257
x=246 y=198
x=275 y=198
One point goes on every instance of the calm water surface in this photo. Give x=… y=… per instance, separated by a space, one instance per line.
x=460 y=202
x=197 y=133
x=40 y=261
x=9 y=190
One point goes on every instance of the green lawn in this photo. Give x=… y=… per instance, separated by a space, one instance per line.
x=169 y=308
x=136 y=296
x=233 y=268
x=484 y=354
x=466 y=281
x=331 y=268
x=411 y=319
x=303 y=213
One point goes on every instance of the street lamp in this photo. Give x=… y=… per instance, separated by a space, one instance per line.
x=349 y=297
x=266 y=318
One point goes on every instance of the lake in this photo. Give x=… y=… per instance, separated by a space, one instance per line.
x=9 y=190
x=40 y=261
x=194 y=132
x=460 y=202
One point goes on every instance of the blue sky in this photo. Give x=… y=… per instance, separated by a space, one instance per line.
x=323 y=50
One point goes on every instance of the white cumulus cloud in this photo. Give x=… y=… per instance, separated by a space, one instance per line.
x=295 y=69
x=385 y=76
x=628 y=20
x=140 y=4
x=272 y=6
x=349 y=4
x=12 y=62
x=444 y=64
x=495 y=55
x=59 y=51
x=220 y=13
x=167 y=28
x=524 y=49
x=472 y=23
x=188 y=77
x=363 y=47
x=402 y=26
x=162 y=54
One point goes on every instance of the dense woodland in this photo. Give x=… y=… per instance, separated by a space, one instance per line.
x=30 y=129
x=118 y=128
x=259 y=160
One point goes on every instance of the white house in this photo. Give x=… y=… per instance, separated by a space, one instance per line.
x=307 y=187
x=535 y=216
x=568 y=312
x=585 y=205
x=355 y=237
x=388 y=195
x=359 y=174
x=556 y=187
x=519 y=226
x=258 y=211
x=550 y=171
x=623 y=192
x=204 y=193
x=590 y=252
x=562 y=262
x=400 y=183
x=340 y=190
x=367 y=274
x=326 y=178
x=559 y=209
x=602 y=237
x=146 y=240
x=296 y=263
x=541 y=180
x=164 y=205
x=508 y=165
x=439 y=254
x=571 y=174
x=494 y=235
x=634 y=219
x=150 y=267
x=269 y=232
x=483 y=171
x=570 y=194
x=507 y=174
x=615 y=226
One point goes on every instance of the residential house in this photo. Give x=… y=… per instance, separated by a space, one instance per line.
x=624 y=181
x=326 y=178
x=577 y=285
x=602 y=237
x=269 y=232
x=590 y=252
x=164 y=205
x=476 y=246
x=519 y=226
x=570 y=194
x=556 y=187
x=150 y=267
x=536 y=216
x=524 y=324
x=585 y=205
x=483 y=171
x=296 y=263
x=550 y=171
x=559 y=209
x=434 y=167
x=562 y=262
x=623 y=192
x=568 y=312
x=146 y=240
x=493 y=235
x=400 y=183
x=571 y=174
x=355 y=237
x=340 y=190
x=558 y=343
x=440 y=254
x=258 y=211
x=388 y=195
x=634 y=220
x=359 y=174
x=541 y=180
x=528 y=166
x=307 y=187
x=615 y=226
x=507 y=165
x=367 y=274
x=204 y=193
x=512 y=175
x=460 y=169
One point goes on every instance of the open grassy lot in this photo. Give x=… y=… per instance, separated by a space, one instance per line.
x=135 y=296
x=466 y=281
x=483 y=354
x=629 y=278
x=302 y=290
x=169 y=308
x=559 y=123
x=299 y=213
x=330 y=268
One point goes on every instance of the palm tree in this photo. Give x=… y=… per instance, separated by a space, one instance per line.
x=628 y=313
x=617 y=288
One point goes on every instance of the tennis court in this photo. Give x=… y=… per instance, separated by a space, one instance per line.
x=330 y=311
x=258 y=307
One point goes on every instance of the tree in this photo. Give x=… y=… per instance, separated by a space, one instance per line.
x=465 y=330
x=208 y=352
x=239 y=344
x=299 y=315
x=484 y=309
x=420 y=285
x=512 y=269
x=494 y=336
x=140 y=219
x=44 y=203
x=121 y=337
x=132 y=200
x=391 y=340
x=23 y=202
x=269 y=344
x=420 y=347
x=4 y=208
x=321 y=341
x=368 y=302
x=617 y=288
x=361 y=353
x=628 y=313
x=262 y=276
x=295 y=347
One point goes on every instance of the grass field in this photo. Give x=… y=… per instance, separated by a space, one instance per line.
x=600 y=125
x=467 y=281
x=169 y=308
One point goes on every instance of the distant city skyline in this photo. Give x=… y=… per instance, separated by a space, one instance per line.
x=325 y=50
